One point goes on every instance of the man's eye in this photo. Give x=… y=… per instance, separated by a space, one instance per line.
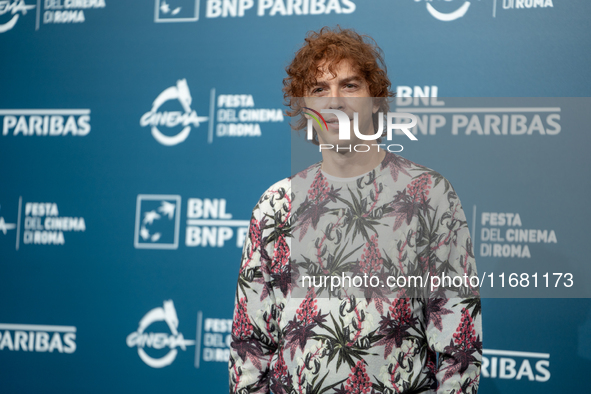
x=350 y=86
x=317 y=90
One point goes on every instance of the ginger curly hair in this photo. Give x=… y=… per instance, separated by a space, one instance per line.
x=331 y=46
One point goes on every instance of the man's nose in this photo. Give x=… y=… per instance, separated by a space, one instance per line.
x=336 y=100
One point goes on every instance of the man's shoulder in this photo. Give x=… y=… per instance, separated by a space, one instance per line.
x=279 y=195
x=404 y=167
x=285 y=184
x=419 y=170
x=414 y=177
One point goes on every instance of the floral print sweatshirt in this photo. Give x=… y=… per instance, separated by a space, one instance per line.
x=390 y=324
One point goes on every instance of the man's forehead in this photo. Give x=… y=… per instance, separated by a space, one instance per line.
x=341 y=70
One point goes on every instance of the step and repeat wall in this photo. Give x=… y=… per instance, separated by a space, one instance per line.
x=137 y=136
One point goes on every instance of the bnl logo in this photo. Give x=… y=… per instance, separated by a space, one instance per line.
x=176 y=11
x=157 y=221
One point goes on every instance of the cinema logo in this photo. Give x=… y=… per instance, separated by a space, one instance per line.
x=53 y=11
x=444 y=11
x=37 y=338
x=142 y=339
x=505 y=364
x=68 y=11
x=45 y=122
x=4 y=226
x=45 y=226
x=510 y=4
x=14 y=8
x=237 y=117
x=451 y=10
x=214 y=337
x=497 y=241
x=178 y=123
x=342 y=122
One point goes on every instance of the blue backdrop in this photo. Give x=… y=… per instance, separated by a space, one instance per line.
x=138 y=135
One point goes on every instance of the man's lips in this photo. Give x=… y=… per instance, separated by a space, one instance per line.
x=333 y=124
x=333 y=120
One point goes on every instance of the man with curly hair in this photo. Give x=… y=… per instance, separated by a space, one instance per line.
x=393 y=228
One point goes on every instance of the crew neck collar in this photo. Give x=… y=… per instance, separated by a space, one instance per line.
x=354 y=178
x=338 y=179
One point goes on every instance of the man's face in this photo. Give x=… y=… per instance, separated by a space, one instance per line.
x=347 y=91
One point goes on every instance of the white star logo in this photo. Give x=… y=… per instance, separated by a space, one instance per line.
x=167 y=209
x=6 y=226
x=165 y=8
x=149 y=217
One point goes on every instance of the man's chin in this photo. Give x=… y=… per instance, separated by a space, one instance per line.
x=337 y=146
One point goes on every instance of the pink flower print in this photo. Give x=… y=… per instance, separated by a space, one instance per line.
x=465 y=334
x=358 y=381
x=400 y=311
x=255 y=233
x=242 y=327
x=419 y=188
x=308 y=309
x=280 y=255
x=280 y=368
x=371 y=260
x=319 y=188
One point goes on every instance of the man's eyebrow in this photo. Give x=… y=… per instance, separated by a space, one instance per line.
x=354 y=78
x=320 y=83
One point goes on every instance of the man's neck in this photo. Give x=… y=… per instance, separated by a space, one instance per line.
x=351 y=164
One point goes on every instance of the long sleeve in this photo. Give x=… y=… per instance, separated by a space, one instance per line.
x=453 y=314
x=255 y=328
x=400 y=222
